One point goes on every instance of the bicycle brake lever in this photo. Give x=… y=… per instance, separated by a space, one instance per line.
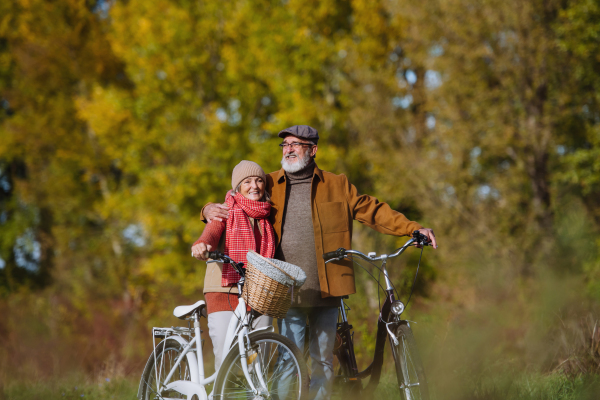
x=335 y=259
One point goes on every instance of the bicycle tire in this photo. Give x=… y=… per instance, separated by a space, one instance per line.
x=231 y=382
x=167 y=352
x=409 y=368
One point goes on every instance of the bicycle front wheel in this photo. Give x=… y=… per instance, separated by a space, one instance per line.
x=160 y=363
x=275 y=365
x=409 y=369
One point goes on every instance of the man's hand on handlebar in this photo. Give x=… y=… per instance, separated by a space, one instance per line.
x=430 y=236
x=420 y=238
x=216 y=211
x=200 y=251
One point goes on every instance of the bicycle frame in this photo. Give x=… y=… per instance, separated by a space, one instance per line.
x=238 y=328
x=386 y=318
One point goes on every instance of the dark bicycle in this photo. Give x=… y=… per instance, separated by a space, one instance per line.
x=409 y=369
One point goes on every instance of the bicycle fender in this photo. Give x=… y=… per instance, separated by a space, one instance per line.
x=189 y=389
x=269 y=328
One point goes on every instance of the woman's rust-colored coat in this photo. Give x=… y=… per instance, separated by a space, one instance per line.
x=335 y=203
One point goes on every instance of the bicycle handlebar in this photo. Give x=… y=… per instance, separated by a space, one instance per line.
x=418 y=238
x=341 y=252
x=217 y=255
x=422 y=239
x=220 y=257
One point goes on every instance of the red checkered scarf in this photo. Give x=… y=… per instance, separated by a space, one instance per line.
x=239 y=238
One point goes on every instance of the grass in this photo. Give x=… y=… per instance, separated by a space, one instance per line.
x=538 y=387
x=526 y=387
x=70 y=389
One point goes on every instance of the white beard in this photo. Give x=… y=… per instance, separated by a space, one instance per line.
x=302 y=161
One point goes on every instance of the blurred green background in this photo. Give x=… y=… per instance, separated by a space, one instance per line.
x=119 y=120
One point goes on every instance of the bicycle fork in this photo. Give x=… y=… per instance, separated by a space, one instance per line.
x=242 y=340
x=244 y=347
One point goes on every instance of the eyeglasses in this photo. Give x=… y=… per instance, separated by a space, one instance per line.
x=294 y=145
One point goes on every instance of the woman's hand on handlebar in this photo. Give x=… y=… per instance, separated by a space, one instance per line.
x=430 y=235
x=200 y=251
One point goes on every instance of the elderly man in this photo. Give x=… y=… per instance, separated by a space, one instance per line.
x=312 y=214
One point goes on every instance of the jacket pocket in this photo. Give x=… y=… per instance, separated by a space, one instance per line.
x=333 y=217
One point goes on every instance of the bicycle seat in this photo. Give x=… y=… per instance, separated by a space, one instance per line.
x=182 y=312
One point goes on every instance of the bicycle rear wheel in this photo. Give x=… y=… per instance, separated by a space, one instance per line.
x=409 y=369
x=157 y=370
x=279 y=362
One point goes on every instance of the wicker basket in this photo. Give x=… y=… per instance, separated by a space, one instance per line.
x=265 y=294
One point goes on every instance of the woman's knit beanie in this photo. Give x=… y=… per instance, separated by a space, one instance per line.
x=245 y=169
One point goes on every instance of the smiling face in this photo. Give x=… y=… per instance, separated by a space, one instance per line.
x=298 y=156
x=252 y=188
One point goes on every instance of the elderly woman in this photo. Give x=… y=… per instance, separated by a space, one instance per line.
x=246 y=228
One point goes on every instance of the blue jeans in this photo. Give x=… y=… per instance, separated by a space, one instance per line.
x=322 y=323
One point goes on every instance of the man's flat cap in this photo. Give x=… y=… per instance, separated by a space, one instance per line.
x=301 y=131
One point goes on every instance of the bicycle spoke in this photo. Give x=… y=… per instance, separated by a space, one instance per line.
x=408 y=367
x=410 y=375
x=236 y=384
x=271 y=359
x=162 y=363
x=272 y=368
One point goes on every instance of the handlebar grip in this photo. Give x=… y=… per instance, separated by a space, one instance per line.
x=341 y=252
x=422 y=239
x=215 y=255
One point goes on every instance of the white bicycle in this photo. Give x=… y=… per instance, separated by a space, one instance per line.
x=258 y=364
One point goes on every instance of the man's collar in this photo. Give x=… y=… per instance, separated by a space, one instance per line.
x=281 y=174
x=318 y=172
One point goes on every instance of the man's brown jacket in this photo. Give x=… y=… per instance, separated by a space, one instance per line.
x=335 y=203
